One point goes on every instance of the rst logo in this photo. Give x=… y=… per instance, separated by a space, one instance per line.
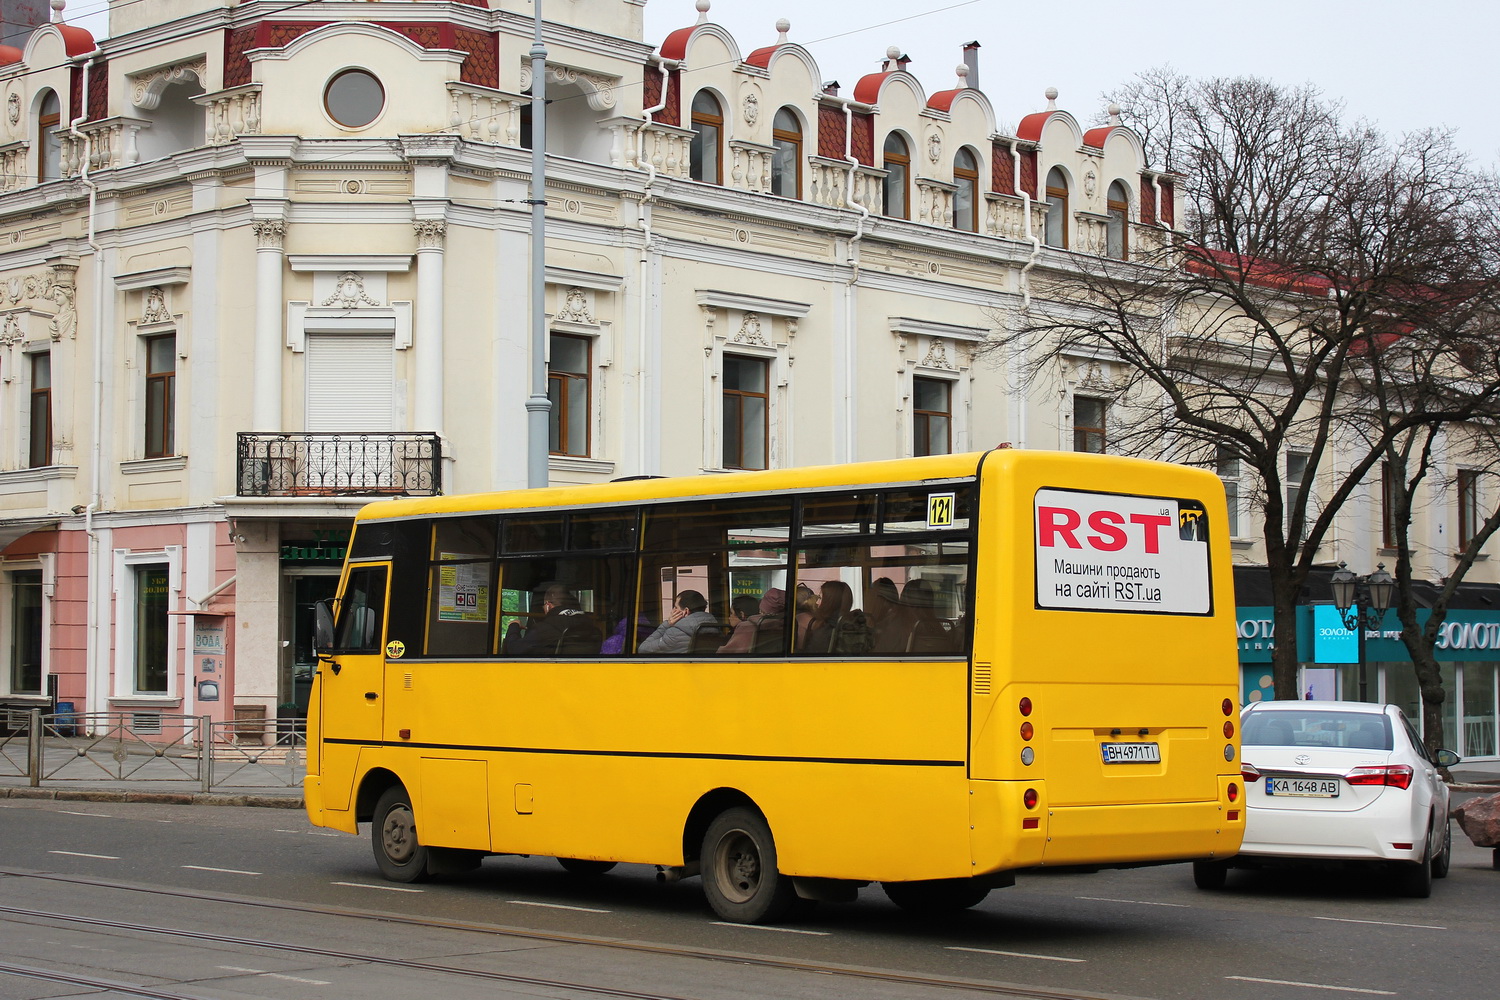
x=1117 y=552
x=1107 y=530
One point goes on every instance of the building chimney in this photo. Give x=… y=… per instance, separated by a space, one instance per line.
x=831 y=88
x=971 y=60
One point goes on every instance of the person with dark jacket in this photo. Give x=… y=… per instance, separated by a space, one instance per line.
x=562 y=628
x=742 y=639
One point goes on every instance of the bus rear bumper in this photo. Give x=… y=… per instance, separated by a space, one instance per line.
x=1138 y=832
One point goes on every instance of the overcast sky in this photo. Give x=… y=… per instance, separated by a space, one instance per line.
x=1400 y=64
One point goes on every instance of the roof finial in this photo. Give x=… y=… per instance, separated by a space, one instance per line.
x=1051 y=98
x=892 y=53
x=1114 y=114
x=57 y=10
x=962 y=69
x=703 y=6
x=782 y=27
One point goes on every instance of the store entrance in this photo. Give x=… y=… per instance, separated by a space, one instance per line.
x=295 y=686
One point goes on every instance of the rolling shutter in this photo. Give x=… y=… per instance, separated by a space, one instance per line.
x=350 y=382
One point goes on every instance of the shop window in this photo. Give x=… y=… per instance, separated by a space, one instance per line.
x=966 y=191
x=786 y=161
x=152 y=628
x=1117 y=236
x=706 y=152
x=1055 y=230
x=161 y=395
x=932 y=416
x=897 y=184
x=569 y=389
x=1088 y=425
x=746 y=412
x=25 y=627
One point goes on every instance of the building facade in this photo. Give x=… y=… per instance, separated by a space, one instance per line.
x=261 y=263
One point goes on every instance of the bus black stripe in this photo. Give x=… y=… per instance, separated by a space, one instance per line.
x=655 y=754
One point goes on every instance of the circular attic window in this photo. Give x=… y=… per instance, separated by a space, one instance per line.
x=354 y=98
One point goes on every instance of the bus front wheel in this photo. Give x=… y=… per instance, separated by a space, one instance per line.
x=739 y=870
x=944 y=895
x=393 y=833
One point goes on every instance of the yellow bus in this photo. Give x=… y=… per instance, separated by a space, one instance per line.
x=930 y=673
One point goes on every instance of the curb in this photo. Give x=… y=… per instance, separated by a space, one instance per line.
x=155 y=798
x=1456 y=787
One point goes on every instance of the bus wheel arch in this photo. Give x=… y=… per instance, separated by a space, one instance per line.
x=707 y=809
x=371 y=787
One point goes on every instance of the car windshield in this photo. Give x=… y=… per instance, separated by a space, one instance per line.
x=1292 y=728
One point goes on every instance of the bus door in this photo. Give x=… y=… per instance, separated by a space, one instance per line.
x=352 y=678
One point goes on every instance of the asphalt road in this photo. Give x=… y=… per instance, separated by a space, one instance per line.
x=285 y=909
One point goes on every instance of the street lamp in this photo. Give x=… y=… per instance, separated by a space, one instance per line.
x=1361 y=602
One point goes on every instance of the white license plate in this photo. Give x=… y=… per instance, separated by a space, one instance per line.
x=1325 y=788
x=1130 y=753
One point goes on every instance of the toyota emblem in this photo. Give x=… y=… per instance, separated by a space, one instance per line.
x=1302 y=758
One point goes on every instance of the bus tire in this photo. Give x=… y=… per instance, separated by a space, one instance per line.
x=583 y=866
x=1210 y=874
x=740 y=878
x=934 y=896
x=393 y=833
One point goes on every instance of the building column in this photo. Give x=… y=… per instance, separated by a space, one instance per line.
x=427 y=363
x=269 y=304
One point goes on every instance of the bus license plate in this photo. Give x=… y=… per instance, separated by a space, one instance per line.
x=1130 y=753
x=1325 y=788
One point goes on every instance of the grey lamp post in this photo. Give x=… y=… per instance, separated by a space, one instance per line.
x=1362 y=602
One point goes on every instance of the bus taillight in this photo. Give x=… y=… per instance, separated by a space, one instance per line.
x=1227 y=707
x=1228 y=729
x=1025 y=706
x=1026 y=731
x=1030 y=798
x=1234 y=792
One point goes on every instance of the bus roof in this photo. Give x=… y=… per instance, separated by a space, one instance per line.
x=902 y=470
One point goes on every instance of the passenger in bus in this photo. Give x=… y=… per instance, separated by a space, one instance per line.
x=890 y=620
x=742 y=608
x=772 y=606
x=675 y=635
x=563 y=627
x=807 y=606
x=614 y=643
x=929 y=633
x=834 y=602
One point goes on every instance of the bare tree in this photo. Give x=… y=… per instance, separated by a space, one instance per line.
x=1310 y=247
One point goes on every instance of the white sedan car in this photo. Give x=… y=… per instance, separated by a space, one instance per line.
x=1340 y=781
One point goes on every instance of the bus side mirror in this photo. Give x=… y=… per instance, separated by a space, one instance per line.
x=322 y=629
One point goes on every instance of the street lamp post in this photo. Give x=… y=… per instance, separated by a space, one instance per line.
x=1361 y=602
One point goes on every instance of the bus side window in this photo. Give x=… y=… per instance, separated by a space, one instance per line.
x=360 y=610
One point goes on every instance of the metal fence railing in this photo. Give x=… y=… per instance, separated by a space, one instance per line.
x=138 y=747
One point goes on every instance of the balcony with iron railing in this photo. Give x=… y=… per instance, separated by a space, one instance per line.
x=308 y=464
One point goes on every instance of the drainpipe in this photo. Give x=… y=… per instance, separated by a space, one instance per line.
x=95 y=694
x=646 y=379
x=851 y=353
x=1036 y=250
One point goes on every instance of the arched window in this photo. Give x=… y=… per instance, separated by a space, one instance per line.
x=966 y=197
x=706 y=164
x=1117 y=235
x=897 y=182
x=1056 y=234
x=48 y=143
x=786 y=162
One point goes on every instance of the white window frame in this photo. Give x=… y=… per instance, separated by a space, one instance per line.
x=47 y=563
x=124 y=578
x=577 y=301
x=942 y=351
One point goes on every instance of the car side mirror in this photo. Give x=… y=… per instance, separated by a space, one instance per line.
x=1446 y=758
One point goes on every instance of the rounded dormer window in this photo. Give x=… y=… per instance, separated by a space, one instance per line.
x=354 y=98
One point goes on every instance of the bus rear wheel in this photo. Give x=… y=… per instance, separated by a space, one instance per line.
x=583 y=866
x=393 y=834
x=940 y=895
x=740 y=878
